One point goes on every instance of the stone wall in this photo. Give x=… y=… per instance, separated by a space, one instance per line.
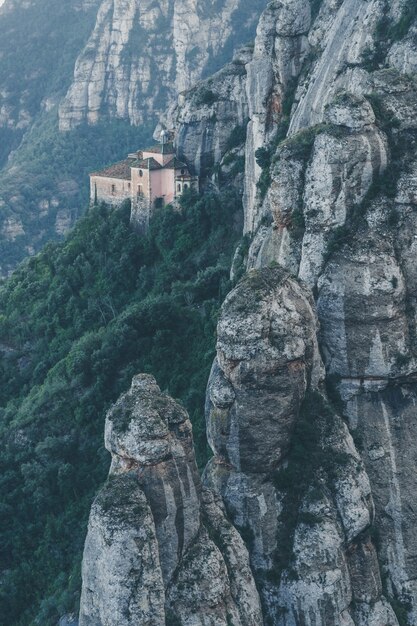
x=110 y=190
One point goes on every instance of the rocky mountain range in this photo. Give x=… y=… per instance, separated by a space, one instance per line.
x=306 y=514
x=84 y=82
x=141 y=55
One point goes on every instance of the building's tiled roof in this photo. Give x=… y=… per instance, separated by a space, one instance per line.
x=146 y=164
x=176 y=164
x=119 y=170
x=161 y=148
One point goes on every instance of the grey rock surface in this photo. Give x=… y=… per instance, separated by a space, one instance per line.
x=306 y=513
x=142 y=54
x=258 y=357
x=209 y=115
x=309 y=543
x=151 y=552
x=341 y=204
x=122 y=579
x=280 y=48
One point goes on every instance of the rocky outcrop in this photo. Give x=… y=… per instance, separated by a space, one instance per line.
x=140 y=55
x=211 y=120
x=285 y=501
x=280 y=48
x=285 y=464
x=159 y=546
x=310 y=494
x=338 y=212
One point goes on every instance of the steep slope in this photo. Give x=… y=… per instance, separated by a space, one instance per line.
x=114 y=65
x=43 y=174
x=39 y=44
x=153 y=517
x=77 y=321
x=140 y=55
x=339 y=193
x=44 y=187
x=311 y=399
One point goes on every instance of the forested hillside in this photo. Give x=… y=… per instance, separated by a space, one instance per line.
x=105 y=72
x=45 y=187
x=78 y=321
x=44 y=173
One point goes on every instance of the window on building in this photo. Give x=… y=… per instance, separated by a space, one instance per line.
x=141 y=173
x=185 y=186
x=113 y=188
x=140 y=190
x=128 y=186
x=178 y=187
x=182 y=172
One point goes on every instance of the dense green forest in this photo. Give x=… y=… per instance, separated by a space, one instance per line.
x=49 y=174
x=44 y=173
x=77 y=322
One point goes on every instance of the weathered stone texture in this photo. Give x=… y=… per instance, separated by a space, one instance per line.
x=142 y=54
x=149 y=554
x=341 y=204
x=268 y=367
x=337 y=217
x=208 y=114
x=280 y=48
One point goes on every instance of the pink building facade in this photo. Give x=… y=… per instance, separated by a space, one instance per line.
x=149 y=178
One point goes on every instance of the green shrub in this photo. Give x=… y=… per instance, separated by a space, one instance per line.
x=337 y=239
x=263 y=157
x=401 y=608
x=206 y=97
x=298 y=224
x=237 y=137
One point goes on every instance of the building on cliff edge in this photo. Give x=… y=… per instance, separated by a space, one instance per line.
x=149 y=178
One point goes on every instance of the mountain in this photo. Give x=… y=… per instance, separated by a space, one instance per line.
x=310 y=406
x=84 y=82
x=78 y=320
x=304 y=511
x=140 y=55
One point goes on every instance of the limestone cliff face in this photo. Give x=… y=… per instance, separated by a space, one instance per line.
x=312 y=488
x=340 y=201
x=280 y=48
x=160 y=548
x=285 y=463
x=211 y=120
x=141 y=54
x=280 y=529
